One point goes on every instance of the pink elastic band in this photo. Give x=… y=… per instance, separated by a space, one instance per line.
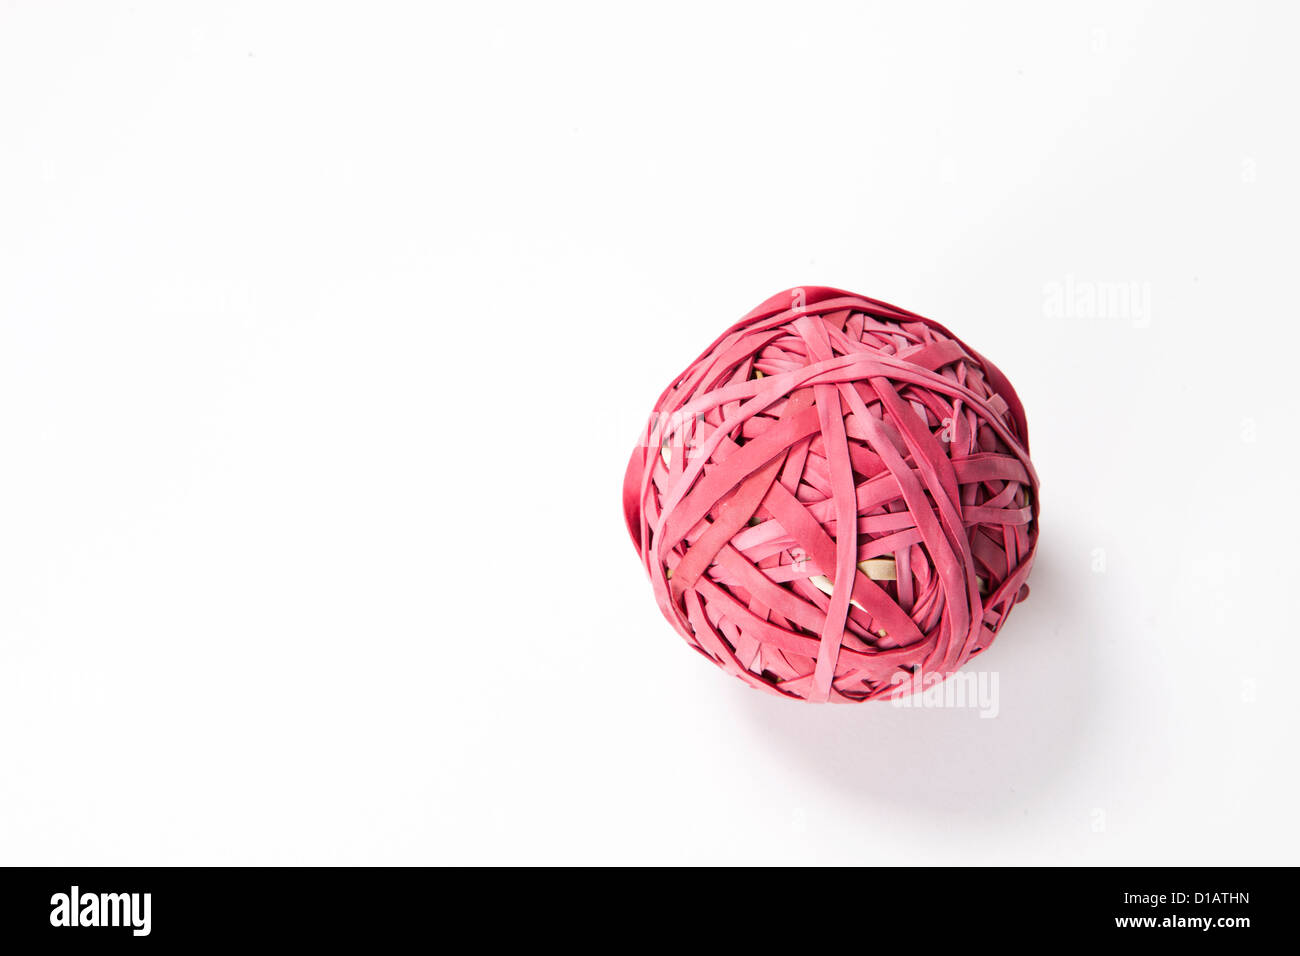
x=824 y=438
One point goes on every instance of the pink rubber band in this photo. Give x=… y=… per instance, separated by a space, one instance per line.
x=822 y=430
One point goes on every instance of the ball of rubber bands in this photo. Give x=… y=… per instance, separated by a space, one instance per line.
x=835 y=501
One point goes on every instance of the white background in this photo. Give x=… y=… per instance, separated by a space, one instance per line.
x=326 y=331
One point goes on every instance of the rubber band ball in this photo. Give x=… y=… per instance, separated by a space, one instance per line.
x=835 y=501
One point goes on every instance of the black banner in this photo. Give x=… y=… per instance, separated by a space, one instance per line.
x=142 y=907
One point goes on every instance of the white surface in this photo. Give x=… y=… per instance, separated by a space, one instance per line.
x=325 y=334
